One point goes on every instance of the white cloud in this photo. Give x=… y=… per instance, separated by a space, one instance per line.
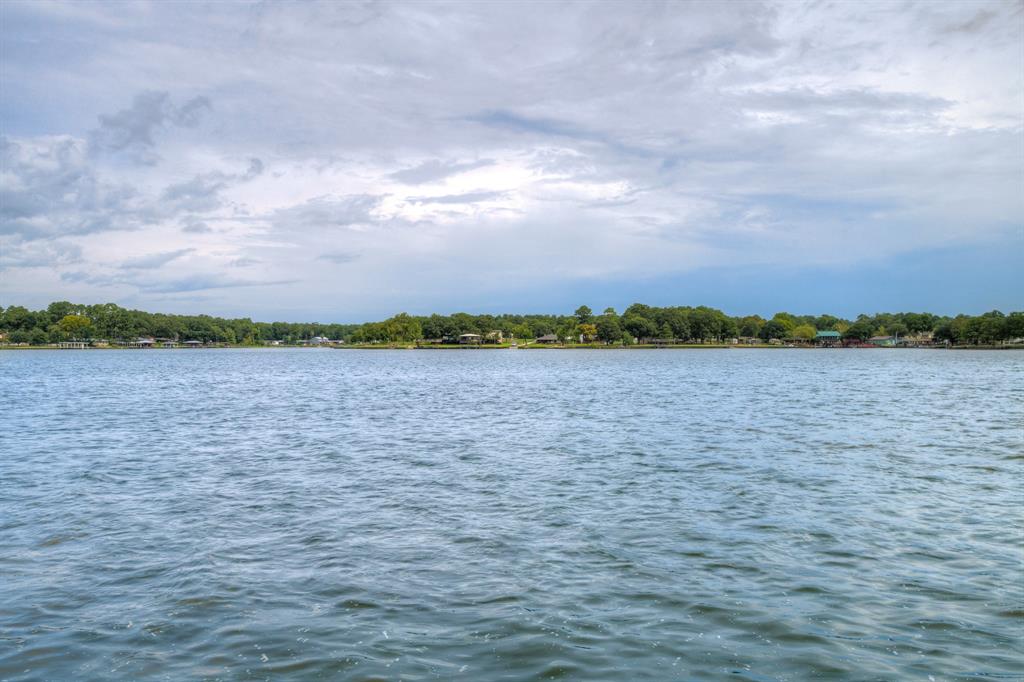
x=354 y=148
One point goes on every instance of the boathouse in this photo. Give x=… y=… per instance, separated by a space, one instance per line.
x=827 y=338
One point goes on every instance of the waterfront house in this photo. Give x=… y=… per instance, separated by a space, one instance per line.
x=469 y=339
x=168 y=344
x=495 y=336
x=77 y=345
x=547 y=338
x=192 y=343
x=882 y=341
x=141 y=342
x=920 y=339
x=827 y=338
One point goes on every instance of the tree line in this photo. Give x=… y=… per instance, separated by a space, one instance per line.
x=62 y=321
x=699 y=324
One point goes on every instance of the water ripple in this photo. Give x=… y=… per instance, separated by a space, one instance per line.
x=296 y=514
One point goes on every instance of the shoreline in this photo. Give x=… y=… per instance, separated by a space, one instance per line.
x=592 y=347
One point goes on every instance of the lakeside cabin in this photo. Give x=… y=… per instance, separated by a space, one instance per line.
x=192 y=343
x=547 y=338
x=469 y=339
x=75 y=345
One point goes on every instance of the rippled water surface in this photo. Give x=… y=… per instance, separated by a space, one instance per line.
x=500 y=515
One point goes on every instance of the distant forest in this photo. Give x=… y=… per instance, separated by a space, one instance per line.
x=62 y=321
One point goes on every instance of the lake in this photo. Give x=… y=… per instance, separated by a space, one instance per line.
x=512 y=515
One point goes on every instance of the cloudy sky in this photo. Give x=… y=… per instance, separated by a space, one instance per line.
x=346 y=161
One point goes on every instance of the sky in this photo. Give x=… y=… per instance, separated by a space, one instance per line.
x=347 y=161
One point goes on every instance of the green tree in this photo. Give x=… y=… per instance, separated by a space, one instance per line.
x=403 y=327
x=640 y=327
x=861 y=330
x=774 y=329
x=608 y=329
x=75 y=326
x=584 y=314
x=804 y=332
x=750 y=325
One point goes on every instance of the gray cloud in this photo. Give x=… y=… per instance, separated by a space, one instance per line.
x=433 y=170
x=202 y=192
x=132 y=130
x=974 y=24
x=338 y=257
x=154 y=260
x=49 y=189
x=327 y=212
x=193 y=225
x=205 y=282
x=200 y=282
x=464 y=198
x=36 y=254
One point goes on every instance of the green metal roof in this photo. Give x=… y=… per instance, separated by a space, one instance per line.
x=827 y=335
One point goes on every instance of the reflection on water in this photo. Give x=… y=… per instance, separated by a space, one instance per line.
x=643 y=515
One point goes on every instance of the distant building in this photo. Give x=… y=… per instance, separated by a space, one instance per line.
x=882 y=341
x=547 y=338
x=168 y=344
x=77 y=345
x=827 y=338
x=319 y=340
x=468 y=339
x=192 y=343
x=141 y=342
x=496 y=336
x=920 y=339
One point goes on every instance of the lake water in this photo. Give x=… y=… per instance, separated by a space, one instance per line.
x=512 y=515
